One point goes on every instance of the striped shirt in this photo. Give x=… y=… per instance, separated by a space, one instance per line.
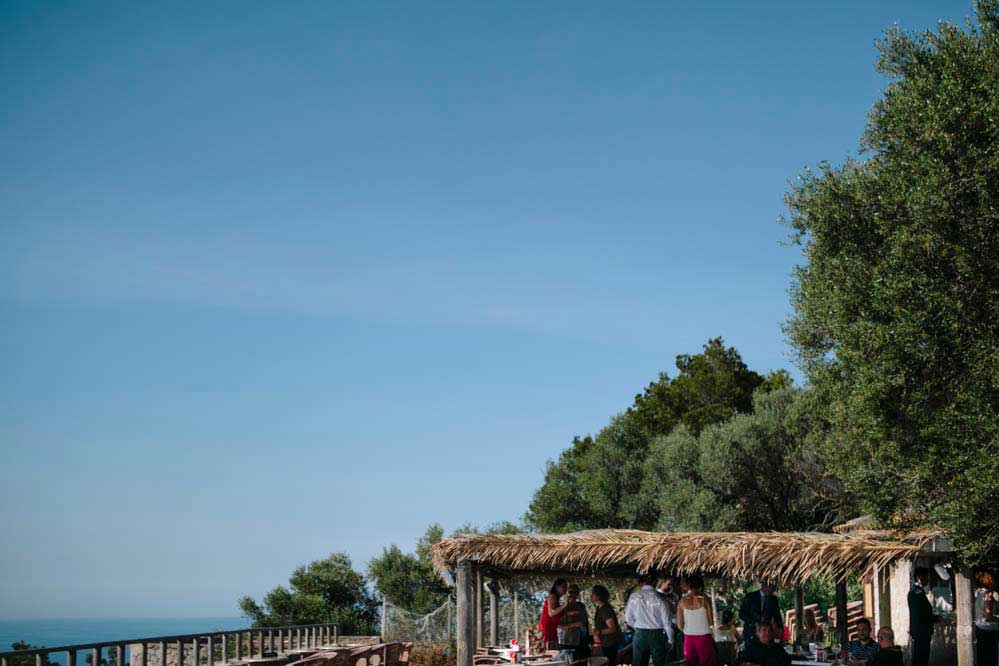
x=859 y=650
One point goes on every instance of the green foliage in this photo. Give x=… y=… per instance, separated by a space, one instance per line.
x=603 y=481
x=28 y=660
x=324 y=591
x=709 y=388
x=409 y=580
x=896 y=313
x=754 y=472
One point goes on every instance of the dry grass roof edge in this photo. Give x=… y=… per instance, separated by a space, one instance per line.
x=787 y=557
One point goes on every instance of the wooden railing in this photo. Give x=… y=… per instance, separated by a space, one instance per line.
x=208 y=648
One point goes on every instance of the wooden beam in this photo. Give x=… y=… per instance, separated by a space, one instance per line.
x=465 y=601
x=494 y=613
x=964 y=601
x=516 y=615
x=479 y=617
x=842 y=625
x=799 y=614
x=384 y=609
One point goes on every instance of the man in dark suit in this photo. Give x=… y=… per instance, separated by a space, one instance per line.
x=760 y=606
x=921 y=618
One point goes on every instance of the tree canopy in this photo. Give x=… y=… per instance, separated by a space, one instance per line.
x=896 y=310
x=408 y=579
x=323 y=591
x=754 y=472
x=612 y=479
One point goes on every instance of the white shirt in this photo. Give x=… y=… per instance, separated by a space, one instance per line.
x=647 y=609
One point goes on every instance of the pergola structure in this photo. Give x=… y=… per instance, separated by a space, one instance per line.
x=789 y=558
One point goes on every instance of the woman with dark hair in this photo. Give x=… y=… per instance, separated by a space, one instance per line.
x=606 y=631
x=551 y=614
x=695 y=619
x=727 y=638
x=813 y=630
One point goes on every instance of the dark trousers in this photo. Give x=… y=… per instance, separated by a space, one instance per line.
x=609 y=651
x=920 y=650
x=648 y=643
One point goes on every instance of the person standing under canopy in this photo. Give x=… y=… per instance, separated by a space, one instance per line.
x=921 y=618
x=695 y=619
x=551 y=614
x=761 y=606
x=574 y=625
x=648 y=614
x=606 y=630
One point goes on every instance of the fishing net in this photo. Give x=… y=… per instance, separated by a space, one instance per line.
x=399 y=624
x=439 y=624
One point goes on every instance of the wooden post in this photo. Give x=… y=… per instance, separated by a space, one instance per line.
x=464 y=582
x=480 y=611
x=96 y=656
x=197 y=651
x=799 y=614
x=494 y=613
x=180 y=653
x=842 y=627
x=384 y=615
x=71 y=658
x=964 y=601
x=41 y=659
x=225 y=648
x=161 y=660
x=714 y=607
x=145 y=656
x=516 y=615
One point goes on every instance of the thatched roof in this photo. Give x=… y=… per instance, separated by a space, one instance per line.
x=786 y=557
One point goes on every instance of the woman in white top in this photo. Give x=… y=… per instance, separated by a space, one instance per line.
x=695 y=620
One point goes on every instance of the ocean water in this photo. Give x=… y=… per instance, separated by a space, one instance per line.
x=50 y=633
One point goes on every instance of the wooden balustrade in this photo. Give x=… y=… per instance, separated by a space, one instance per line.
x=205 y=647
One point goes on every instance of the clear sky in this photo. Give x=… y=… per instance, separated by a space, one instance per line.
x=281 y=279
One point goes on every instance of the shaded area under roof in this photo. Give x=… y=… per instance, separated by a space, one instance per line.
x=786 y=557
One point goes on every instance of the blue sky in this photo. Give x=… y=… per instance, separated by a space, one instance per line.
x=283 y=279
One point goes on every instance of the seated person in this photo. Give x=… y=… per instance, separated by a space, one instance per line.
x=889 y=654
x=863 y=649
x=727 y=632
x=762 y=651
x=813 y=630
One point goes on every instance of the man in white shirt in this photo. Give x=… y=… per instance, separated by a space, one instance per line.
x=649 y=615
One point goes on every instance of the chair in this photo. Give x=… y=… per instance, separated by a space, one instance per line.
x=407 y=650
x=361 y=656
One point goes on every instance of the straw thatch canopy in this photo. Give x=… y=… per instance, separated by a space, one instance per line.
x=791 y=557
